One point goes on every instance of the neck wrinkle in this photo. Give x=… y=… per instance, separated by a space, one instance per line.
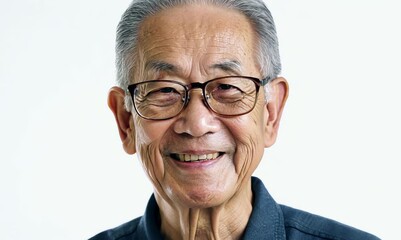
x=226 y=221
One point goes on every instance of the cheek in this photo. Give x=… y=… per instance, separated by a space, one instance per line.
x=248 y=128
x=247 y=131
x=149 y=132
x=152 y=164
x=148 y=137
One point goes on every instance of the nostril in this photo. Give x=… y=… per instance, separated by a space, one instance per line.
x=196 y=120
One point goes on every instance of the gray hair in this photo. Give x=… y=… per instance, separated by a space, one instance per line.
x=255 y=10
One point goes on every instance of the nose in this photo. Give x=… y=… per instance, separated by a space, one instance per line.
x=196 y=119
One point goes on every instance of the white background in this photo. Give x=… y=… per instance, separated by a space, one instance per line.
x=64 y=175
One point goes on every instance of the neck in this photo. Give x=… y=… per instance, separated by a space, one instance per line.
x=225 y=221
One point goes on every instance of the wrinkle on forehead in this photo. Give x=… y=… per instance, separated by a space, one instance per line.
x=194 y=19
x=185 y=34
x=227 y=66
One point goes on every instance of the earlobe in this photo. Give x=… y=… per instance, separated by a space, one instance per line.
x=116 y=102
x=279 y=94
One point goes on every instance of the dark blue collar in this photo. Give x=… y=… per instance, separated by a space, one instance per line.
x=266 y=221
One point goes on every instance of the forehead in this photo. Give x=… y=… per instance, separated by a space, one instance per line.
x=197 y=32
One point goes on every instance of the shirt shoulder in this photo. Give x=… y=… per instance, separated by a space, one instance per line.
x=303 y=225
x=123 y=232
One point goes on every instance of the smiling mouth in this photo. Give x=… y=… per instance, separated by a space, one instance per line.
x=195 y=158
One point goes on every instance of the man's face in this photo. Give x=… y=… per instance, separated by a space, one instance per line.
x=201 y=43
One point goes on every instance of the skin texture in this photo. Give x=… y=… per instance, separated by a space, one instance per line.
x=212 y=199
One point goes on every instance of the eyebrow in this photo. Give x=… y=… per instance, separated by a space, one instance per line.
x=230 y=66
x=160 y=66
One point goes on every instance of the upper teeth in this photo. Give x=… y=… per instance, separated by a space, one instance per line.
x=193 y=157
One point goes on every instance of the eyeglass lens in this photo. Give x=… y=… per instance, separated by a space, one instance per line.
x=164 y=99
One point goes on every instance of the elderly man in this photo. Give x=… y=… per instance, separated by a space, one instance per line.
x=199 y=99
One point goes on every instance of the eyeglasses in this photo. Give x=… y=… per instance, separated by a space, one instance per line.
x=225 y=96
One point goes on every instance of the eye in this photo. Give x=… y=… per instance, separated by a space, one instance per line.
x=226 y=87
x=226 y=93
x=159 y=96
x=163 y=94
x=167 y=90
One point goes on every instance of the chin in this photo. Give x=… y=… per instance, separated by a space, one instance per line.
x=203 y=197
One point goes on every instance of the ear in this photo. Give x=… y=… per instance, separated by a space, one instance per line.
x=125 y=123
x=279 y=93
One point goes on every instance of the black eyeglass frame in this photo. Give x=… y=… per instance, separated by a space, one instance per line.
x=258 y=83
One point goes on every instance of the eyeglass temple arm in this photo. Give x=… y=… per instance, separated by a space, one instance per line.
x=265 y=81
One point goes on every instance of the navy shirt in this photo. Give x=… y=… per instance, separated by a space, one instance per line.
x=268 y=221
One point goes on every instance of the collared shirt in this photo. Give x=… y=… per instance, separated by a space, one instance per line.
x=268 y=221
